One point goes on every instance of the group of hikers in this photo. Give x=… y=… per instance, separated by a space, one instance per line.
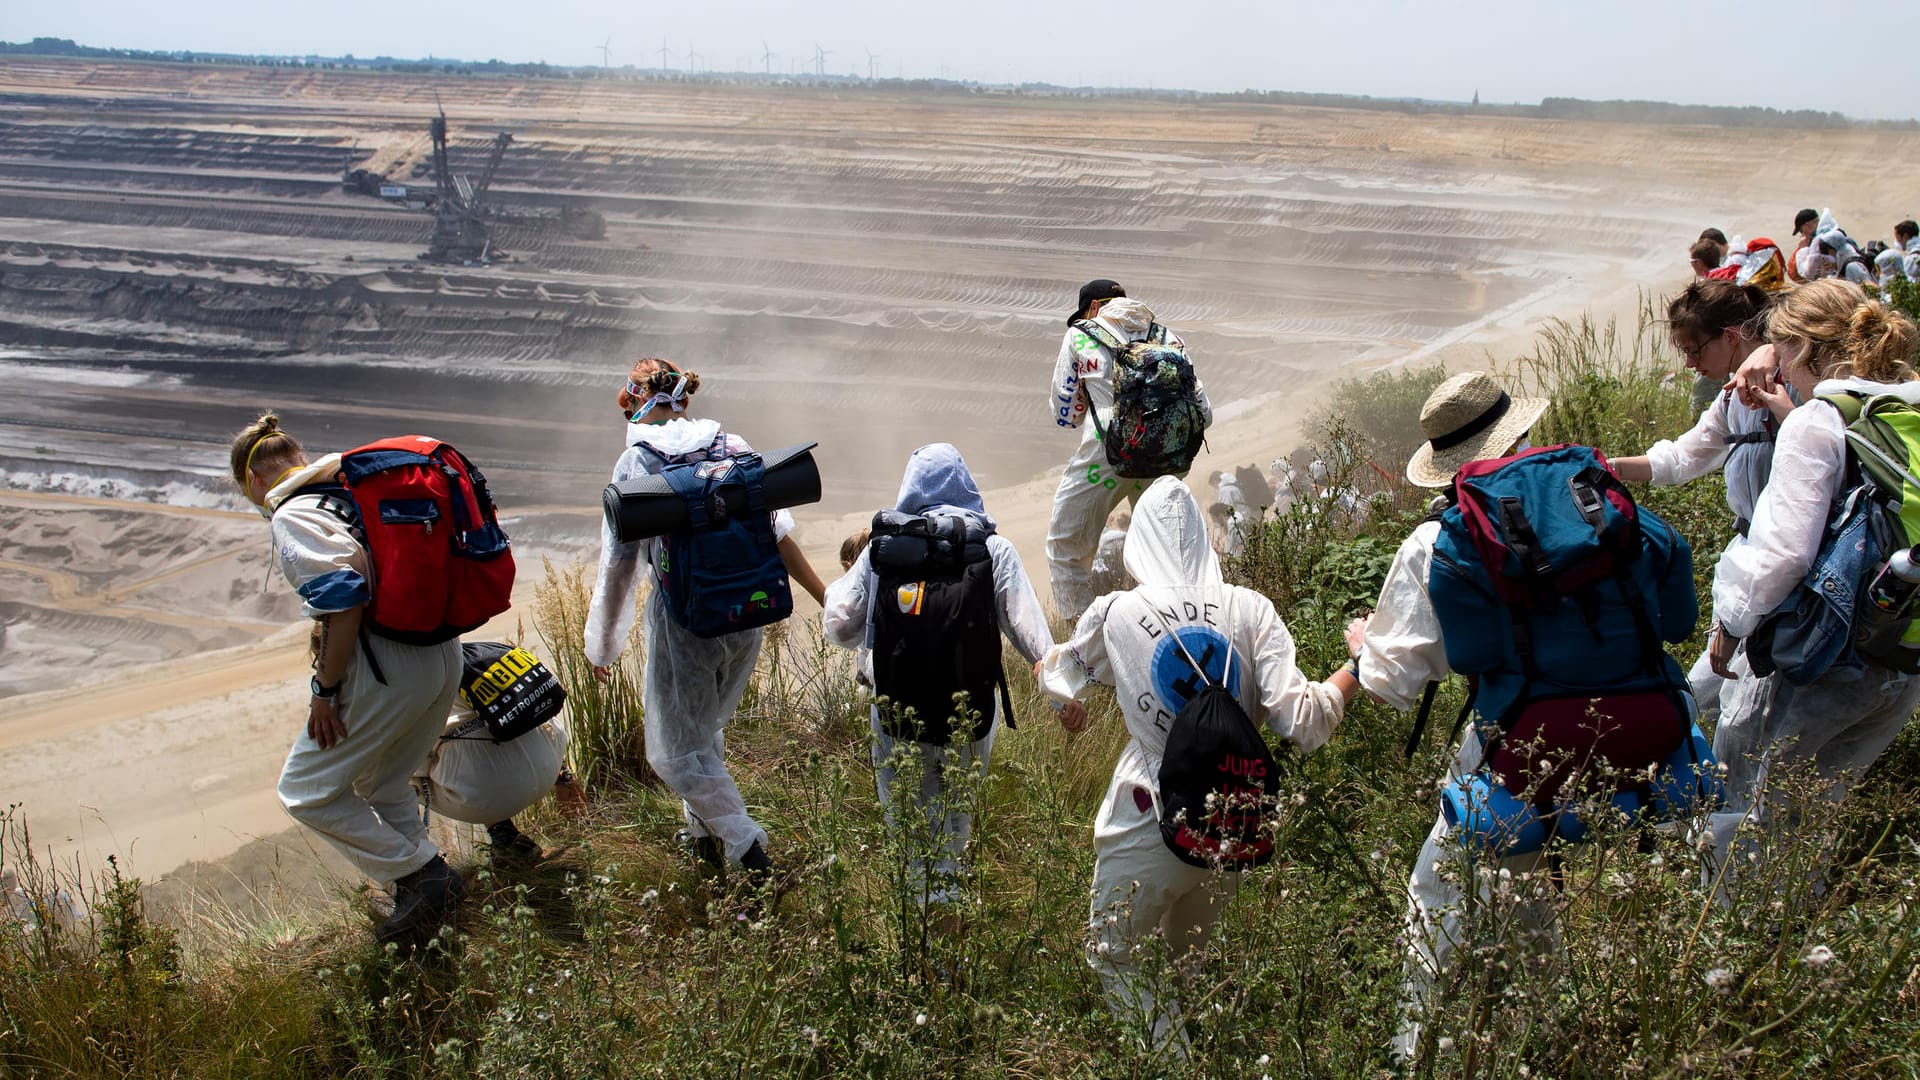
x=1537 y=577
x=1821 y=249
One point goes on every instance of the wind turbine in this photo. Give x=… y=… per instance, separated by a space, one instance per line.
x=766 y=55
x=871 y=57
x=664 y=53
x=606 y=54
x=820 y=59
x=693 y=59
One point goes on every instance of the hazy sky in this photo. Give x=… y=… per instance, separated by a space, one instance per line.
x=1782 y=53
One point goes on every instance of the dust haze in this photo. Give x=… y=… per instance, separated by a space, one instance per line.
x=873 y=270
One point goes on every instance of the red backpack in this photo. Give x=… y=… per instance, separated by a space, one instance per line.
x=441 y=564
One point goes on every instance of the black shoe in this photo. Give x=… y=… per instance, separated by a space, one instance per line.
x=705 y=848
x=764 y=888
x=423 y=901
x=510 y=849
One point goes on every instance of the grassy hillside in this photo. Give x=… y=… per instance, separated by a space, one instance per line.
x=619 y=958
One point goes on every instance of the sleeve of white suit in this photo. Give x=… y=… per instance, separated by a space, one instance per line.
x=1702 y=450
x=1302 y=712
x=845 y=616
x=1022 y=619
x=610 y=615
x=1809 y=462
x=320 y=558
x=1082 y=662
x=1403 y=650
x=1064 y=403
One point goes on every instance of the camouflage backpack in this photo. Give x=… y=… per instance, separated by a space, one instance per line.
x=1157 y=424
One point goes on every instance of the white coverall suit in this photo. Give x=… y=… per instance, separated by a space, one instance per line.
x=1404 y=651
x=693 y=685
x=1124 y=640
x=937 y=482
x=358 y=793
x=1083 y=379
x=1846 y=718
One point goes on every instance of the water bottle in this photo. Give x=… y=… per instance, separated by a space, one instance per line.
x=1893 y=587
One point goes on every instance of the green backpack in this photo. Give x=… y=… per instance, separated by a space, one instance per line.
x=1883 y=448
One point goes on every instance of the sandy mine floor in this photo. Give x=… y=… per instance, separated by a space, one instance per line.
x=869 y=270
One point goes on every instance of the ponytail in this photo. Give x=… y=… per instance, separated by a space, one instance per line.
x=654 y=376
x=261 y=442
x=1879 y=345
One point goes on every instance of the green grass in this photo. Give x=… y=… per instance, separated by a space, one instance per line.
x=622 y=959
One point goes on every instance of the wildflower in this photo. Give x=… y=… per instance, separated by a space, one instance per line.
x=1718 y=979
x=919 y=1019
x=1819 y=956
x=1445 y=1044
x=1263 y=1060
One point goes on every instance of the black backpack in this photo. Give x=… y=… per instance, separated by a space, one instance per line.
x=1157 y=426
x=1219 y=781
x=936 y=625
x=510 y=690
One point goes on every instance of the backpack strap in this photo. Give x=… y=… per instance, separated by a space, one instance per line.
x=1421 y=716
x=1182 y=646
x=1102 y=336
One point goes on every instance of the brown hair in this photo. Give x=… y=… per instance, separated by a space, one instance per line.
x=653 y=375
x=850 y=547
x=1705 y=252
x=1706 y=308
x=1849 y=334
x=262 y=443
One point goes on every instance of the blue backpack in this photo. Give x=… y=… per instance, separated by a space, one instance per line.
x=723 y=574
x=1554 y=593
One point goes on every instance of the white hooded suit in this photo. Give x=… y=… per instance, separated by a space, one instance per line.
x=693 y=685
x=1124 y=641
x=937 y=481
x=1083 y=380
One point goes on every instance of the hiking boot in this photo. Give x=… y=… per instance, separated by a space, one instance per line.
x=763 y=886
x=510 y=849
x=423 y=901
x=707 y=849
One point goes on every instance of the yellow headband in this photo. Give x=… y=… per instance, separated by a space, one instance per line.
x=255 y=448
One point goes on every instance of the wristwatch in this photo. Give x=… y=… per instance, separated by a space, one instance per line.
x=323 y=691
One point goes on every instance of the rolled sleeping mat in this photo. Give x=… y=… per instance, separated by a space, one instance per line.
x=646 y=506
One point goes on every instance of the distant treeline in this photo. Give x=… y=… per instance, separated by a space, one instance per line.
x=1558 y=108
x=1553 y=108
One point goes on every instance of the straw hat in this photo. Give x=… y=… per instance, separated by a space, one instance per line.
x=1467 y=418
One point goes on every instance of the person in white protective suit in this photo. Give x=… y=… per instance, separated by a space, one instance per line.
x=1083 y=380
x=1828 y=339
x=347 y=776
x=470 y=778
x=1109 y=565
x=937 y=482
x=1831 y=253
x=1140 y=888
x=693 y=685
x=1717 y=326
x=1401 y=649
x=1901 y=262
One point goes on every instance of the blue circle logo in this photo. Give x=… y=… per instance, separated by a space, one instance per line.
x=1174 y=680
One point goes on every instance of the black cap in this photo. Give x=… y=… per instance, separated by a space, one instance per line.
x=1803 y=217
x=1097 y=289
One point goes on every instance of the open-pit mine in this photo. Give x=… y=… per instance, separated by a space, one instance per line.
x=182 y=245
